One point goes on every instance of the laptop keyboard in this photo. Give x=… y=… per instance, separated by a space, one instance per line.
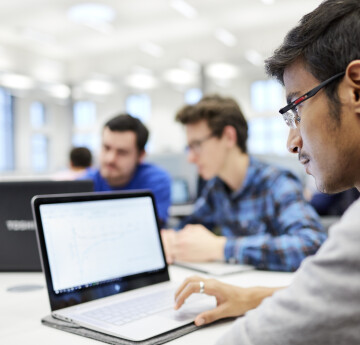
x=136 y=308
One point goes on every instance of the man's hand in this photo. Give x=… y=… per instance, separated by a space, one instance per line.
x=231 y=300
x=168 y=237
x=197 y=244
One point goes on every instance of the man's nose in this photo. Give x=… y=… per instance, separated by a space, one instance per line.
x=191 y=156
x=294 y=142
x=110 y=156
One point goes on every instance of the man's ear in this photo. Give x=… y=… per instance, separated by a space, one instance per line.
x=142 y=155
x=229 y=133
x=353 y=76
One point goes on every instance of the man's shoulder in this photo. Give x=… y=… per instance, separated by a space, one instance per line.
x=265 y=171
x=150 y=174
x=152 y=169
x=91 y=173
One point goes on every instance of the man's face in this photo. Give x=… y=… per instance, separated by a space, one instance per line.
x=206 y=151
x=119 y=156
x=326 y=147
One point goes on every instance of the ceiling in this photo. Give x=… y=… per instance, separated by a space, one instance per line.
x=38 y=39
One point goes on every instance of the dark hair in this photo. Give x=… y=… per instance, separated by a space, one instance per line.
x=80 y=157
x=326 y=40
x=125 y=122
x=218 y=112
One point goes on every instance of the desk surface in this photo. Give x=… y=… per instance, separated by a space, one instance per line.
x=20 y=312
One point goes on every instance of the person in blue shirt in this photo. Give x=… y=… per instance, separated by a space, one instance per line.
x=249 y=212
x=122 y=165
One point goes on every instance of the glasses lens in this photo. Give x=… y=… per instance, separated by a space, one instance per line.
x=289 y=118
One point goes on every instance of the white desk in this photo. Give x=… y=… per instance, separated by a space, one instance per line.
x=21 y=312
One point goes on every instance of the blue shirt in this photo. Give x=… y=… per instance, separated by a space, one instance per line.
x=146 y=176
x=267 y=221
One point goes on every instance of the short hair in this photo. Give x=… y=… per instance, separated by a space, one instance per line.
x=326 y=40
x=80 y=157
x=125 y=122
x=218 y=112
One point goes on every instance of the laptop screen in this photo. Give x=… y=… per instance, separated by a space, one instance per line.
x=99 y=244
x=95 y=242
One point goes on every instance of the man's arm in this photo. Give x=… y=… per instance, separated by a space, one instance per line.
x=320 y=306
x=292 y=233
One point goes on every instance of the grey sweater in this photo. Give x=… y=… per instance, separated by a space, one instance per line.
x=321 y=306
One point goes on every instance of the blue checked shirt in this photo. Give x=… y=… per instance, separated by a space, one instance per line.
x=267 y=222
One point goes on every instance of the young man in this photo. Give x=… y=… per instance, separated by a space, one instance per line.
x=121 y=163
x=322 y=305
x=259 y=209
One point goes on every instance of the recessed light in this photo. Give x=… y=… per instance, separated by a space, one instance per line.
x=180 y=77
x=222 y=70
x=184 y=8
x=142 y=81
x=16 y=81
x=226 y=37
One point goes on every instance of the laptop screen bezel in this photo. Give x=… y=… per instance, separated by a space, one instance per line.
x=67 y=299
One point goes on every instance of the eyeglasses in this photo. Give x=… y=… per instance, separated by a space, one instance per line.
x=195 y=146
x=290 y=112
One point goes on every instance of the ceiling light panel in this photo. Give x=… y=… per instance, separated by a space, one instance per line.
x=222 y=70
x=184 y=8
x=226 y=37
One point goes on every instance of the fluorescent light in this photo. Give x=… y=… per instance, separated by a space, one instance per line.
x=61 y=91
x=152 y=49
x=222 y=70
x=184 y=8
x=180 y=77
x=226 y=37
x=268 y=2
x=254 y=57
x=142 y=81
x=98 y=87
x=16 y=81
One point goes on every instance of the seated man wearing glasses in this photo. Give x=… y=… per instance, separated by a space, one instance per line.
x=249 y=212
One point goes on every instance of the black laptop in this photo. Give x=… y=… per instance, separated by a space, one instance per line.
x=18 y=246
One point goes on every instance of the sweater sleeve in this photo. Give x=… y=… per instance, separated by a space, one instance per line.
x=321 y=306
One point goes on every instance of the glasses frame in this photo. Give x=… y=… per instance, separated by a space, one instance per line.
x=289 y=115
x=195 y=146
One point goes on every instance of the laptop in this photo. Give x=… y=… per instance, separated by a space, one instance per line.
x=18 y=247
x=105 y=266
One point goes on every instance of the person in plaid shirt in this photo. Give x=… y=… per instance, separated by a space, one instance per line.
x=249 y=212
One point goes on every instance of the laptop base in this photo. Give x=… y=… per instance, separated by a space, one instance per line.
x=88 y=333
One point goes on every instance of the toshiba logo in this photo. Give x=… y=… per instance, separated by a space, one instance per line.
x=20 y=225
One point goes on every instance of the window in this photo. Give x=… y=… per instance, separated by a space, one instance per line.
x=39 y=149
x=267 y=135
x=37 y=115
x=39 y=141
x=139 y=105
x=6 y=132
x=266 y=95
x=193 y=96
x=84 y=115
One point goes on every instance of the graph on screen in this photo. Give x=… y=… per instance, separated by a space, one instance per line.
x=95 y=241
